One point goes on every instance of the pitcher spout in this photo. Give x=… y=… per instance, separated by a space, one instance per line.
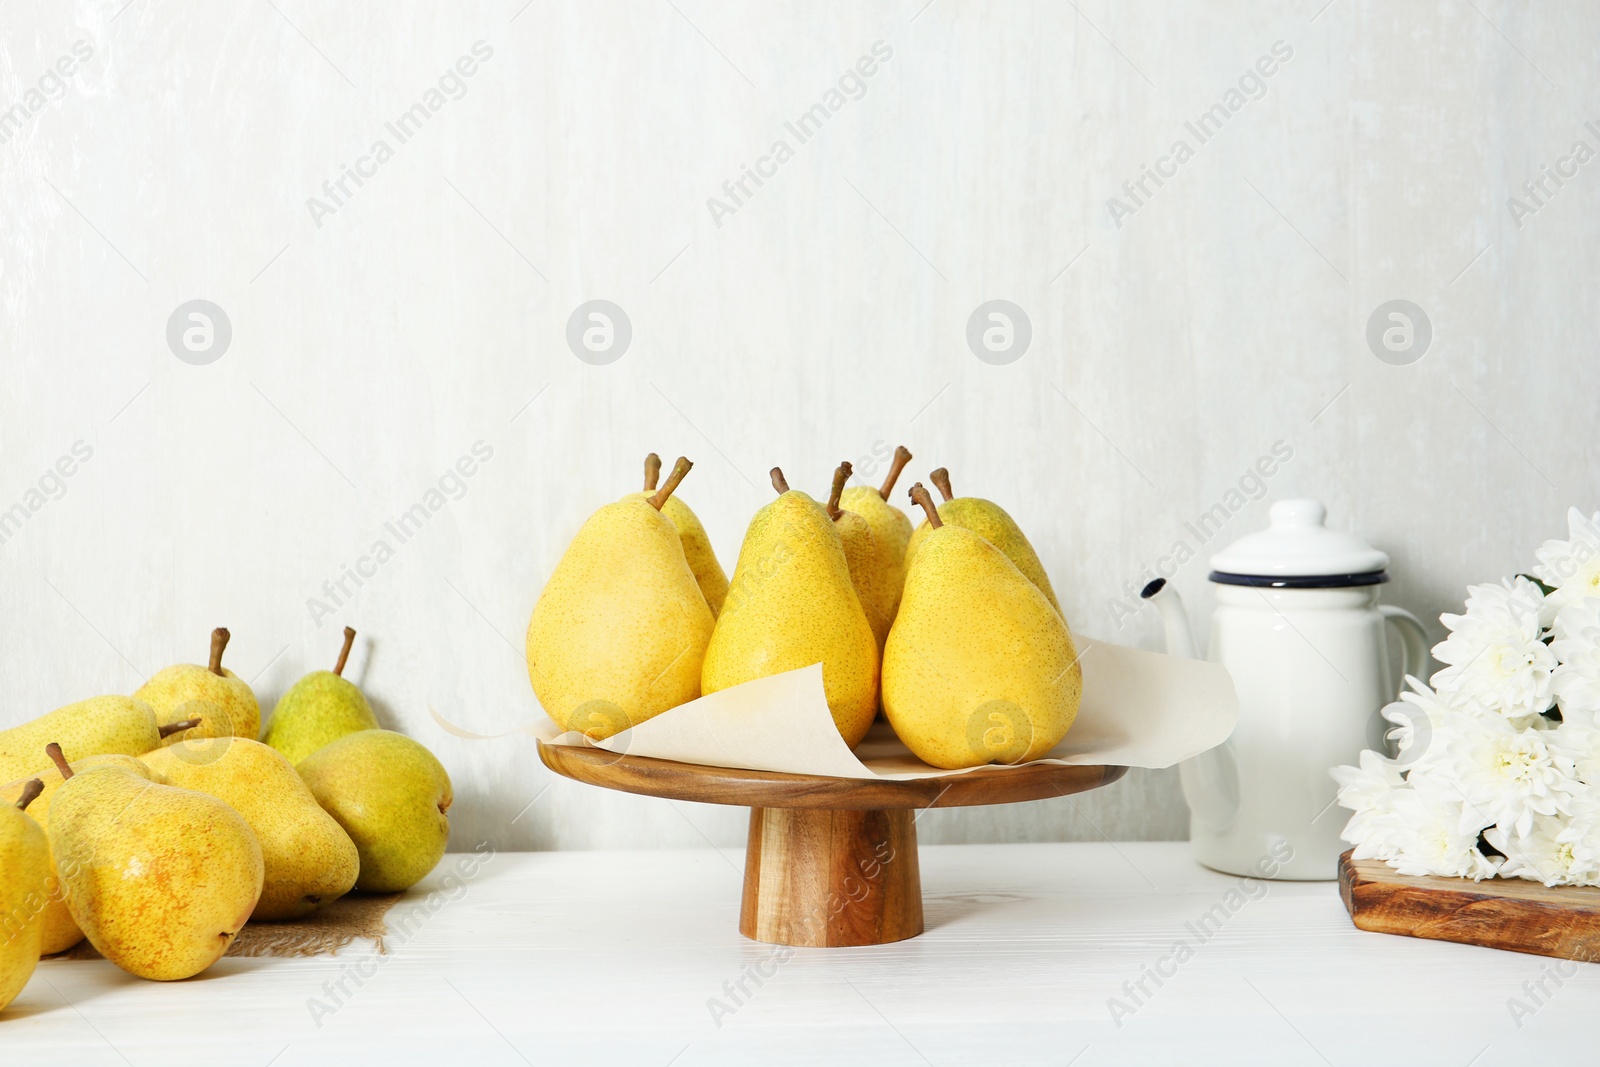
x=1174 y=620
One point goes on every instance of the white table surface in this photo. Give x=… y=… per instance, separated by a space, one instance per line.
x=611 y=957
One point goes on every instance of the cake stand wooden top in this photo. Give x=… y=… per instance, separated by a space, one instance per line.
x=776 y=789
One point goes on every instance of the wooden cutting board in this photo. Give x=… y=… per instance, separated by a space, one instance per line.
x=1508 y=913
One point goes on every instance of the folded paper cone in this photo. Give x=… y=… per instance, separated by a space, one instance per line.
x=1139 y=709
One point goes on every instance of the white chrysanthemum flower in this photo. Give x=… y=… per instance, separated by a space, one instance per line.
x=1507 y=775
x=1542 y=854
x=1375 y=837
x=1578 y=739
x=1427 y=829
x=1497 y=660
x=1572 y=566
x=1368 y=791
x=1474 y=754
x=1419 y=735
x=1582 y=836
x=1576 y=682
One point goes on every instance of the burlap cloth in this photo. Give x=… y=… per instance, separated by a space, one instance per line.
x=322 y=933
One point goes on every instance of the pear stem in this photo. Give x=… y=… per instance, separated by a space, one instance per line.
x=53 y=750
x=902 y=456
x=941 y=478
x=652 y=472
x=30 y=793
x=680 y=470
x=178 y=727
x=924 y=500
x=840 y=476
x=344 y=653
x=219 y=642
x=779 y=482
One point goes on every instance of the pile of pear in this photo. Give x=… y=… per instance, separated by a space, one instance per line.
x=951 y=630
x=157 y=825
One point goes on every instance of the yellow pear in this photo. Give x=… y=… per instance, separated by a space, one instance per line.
x=98 y=726
x=708 y=573
x=24 y=872
x=307 y=857
x=392 y=796
x=979 y=668
x=990 y=522
x=220 y=699
x=621 y=627
x=160 y=879
x=58 y=930
x=861 y=555
x=318 y=709
x=790 y=605
x=891 y=530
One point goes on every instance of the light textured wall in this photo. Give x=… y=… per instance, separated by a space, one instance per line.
x=374 y=345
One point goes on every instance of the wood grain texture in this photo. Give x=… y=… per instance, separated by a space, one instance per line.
x=1505 y=913
x=831 y=862
x=608 y=958
x=830 y=878
x=775 y=789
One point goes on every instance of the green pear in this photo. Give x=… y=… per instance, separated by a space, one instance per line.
x=220 y=699
x=319 y=708
x=862 y=557
x=24 y=874
x=989 y=521
x=708 y=573
x=979 y=667
x=160 y=879
x=307 y=857
x=58 y=930
x=891 y=530
x=391 y=796
x=791 y=605
x=98 y=726
x=621 y=627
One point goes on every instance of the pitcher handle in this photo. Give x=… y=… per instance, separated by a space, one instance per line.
x=1413 y=642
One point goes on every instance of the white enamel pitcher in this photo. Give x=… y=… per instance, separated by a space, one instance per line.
x=1299 y=626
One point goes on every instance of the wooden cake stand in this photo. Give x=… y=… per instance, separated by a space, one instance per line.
x=831 y=861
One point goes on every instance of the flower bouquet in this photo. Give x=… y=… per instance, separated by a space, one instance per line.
x=1496 y=771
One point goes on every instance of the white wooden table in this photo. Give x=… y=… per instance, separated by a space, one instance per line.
x=590 y=957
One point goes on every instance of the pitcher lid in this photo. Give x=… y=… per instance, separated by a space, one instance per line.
x=1298 y=551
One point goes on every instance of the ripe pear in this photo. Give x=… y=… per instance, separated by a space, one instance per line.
x=861 y=555
x=98 y=726
x=307 y=857
x=979 y=667
x=790 y=605
x=708 y=573
x=160 y=879
x=215 y=695
x=319 y=708
x=58 y=930
x=891 y=530
x=391 y=796
x=621 y=627
x=24 y=873
x=990 y=522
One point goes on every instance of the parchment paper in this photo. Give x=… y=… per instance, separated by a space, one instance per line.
x=1140 y=709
